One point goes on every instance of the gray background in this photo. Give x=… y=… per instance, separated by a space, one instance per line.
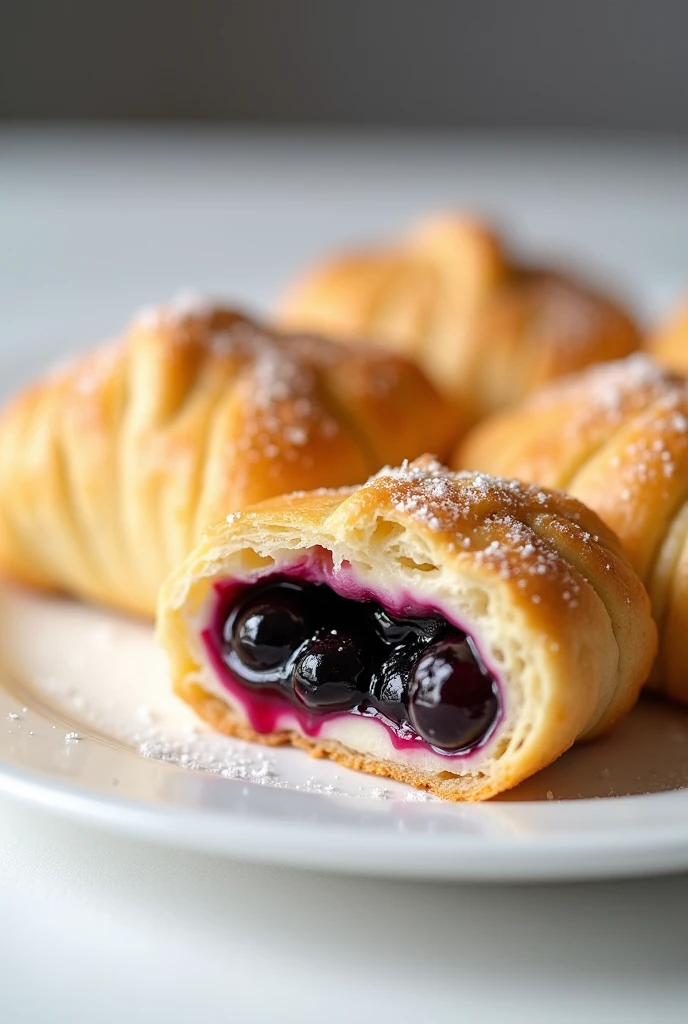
x=589 y=64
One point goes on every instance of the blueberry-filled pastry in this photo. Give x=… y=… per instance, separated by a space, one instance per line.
x=454 y=631
x=112 y=466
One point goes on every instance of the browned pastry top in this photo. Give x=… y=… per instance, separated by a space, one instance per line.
x=111 y=467
x=487 y=329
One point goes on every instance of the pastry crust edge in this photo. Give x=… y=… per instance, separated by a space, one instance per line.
x=467 y=788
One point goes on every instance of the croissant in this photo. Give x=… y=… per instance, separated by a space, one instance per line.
x=452 y=631
x=486 y=330
x=615 y=437
x=111 y=467
x=669 y=343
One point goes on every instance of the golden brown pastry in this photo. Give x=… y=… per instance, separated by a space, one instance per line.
x=669 y=343
x=111 y=467
x=615 y=437
x=486 y=330
x=453 y=631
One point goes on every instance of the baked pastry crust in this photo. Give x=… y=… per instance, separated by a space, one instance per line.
x=668 y=344
x=111 y=467
x=533 y=576
x=616 y=437
x=487 y=330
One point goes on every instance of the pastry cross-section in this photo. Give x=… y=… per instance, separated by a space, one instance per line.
x=454 y=631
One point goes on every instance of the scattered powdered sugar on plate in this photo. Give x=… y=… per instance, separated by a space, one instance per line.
x=246 y=762
x=206 y=752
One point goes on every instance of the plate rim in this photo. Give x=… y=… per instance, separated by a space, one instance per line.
x=612 y=852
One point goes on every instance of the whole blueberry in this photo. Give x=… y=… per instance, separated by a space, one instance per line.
x=453 y=701
x=269 y=625
x=331 y=672
x=390 y=693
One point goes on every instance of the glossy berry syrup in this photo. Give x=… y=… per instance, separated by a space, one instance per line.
x=299 y=644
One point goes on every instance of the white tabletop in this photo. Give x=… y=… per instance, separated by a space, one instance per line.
x=98 y=928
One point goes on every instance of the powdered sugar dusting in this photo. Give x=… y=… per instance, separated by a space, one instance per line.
x=657 y=450
x=90 y=373
x=606 y=394
x=322 y=492
x=286 y=411
x=187 y=304
x=294 y=391
x=475 y=506
x=635 y=407
x=289 y=377
x=430 y=492
x=201 y=751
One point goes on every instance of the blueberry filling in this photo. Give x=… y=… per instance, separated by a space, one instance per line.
x=325 y=653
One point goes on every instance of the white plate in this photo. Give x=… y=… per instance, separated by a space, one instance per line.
x=90 y=730
x=95 y=229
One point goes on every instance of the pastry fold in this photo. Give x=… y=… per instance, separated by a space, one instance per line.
x=615 y=437
x=486 y=329
x=111 y=467
x=534 y=578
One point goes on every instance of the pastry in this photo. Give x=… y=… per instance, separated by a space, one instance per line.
x=111 y=467
x=453 y=631
x=615 y=437
x=488 y=331
x=669 y=343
